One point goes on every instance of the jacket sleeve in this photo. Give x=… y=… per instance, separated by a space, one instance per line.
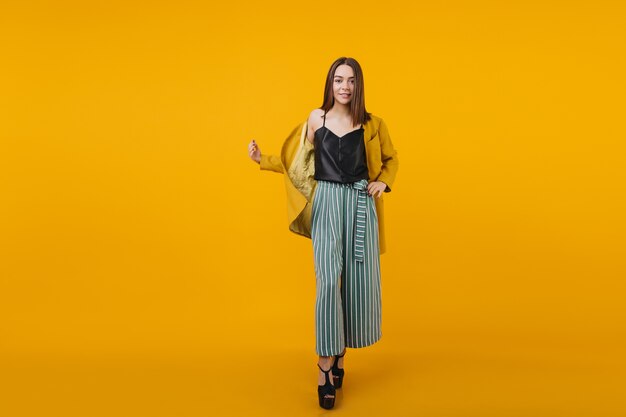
x=389 y=157
x=271 y=163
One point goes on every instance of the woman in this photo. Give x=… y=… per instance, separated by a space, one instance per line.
x=354 y=164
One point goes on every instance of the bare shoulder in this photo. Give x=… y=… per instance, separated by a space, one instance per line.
x=316 y=118
x=314 y=121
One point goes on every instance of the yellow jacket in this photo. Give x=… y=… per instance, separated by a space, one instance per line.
x=297 y=161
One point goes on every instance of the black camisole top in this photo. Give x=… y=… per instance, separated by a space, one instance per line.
x=339 y=158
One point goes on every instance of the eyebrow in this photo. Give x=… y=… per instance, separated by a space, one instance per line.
x=339 y=76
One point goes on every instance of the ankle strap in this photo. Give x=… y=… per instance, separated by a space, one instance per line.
x=324 y=370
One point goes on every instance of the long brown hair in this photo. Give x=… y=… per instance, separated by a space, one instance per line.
x=357 y=104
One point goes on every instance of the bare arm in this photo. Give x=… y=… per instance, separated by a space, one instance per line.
x=312 y=124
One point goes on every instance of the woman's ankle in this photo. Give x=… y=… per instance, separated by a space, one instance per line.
x=325 y=361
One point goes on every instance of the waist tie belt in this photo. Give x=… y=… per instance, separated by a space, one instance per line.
x=361 y=216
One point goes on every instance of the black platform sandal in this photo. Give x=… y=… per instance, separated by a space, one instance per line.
x=338 y=373
x=326 y=389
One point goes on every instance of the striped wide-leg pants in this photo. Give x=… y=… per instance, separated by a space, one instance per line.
x=344 y=231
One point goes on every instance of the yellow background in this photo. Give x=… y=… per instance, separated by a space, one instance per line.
x=146 y=268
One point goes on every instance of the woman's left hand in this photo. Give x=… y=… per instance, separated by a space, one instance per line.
x=376 y=187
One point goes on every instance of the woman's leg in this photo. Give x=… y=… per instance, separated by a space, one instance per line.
x=361 y=289
x=327 y=218
x=325 y=362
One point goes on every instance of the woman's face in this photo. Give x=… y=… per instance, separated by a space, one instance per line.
x=343 y=84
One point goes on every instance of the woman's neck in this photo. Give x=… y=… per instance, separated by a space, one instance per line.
x=340 y=110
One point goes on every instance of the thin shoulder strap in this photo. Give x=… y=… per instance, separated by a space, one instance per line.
x=324 y=124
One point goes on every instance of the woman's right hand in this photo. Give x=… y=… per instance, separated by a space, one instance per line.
x=254 y=152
